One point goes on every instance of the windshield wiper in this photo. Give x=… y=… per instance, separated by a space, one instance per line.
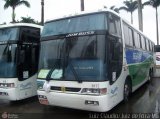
x=70 y=63
x=56 y=72
x=75 y=73
x=48 y=78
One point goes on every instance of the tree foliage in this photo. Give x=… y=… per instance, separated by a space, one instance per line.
x=13 y=4
x=130 y=6
x=28 y=20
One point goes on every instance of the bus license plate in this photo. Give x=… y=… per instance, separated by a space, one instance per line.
x=43 y=101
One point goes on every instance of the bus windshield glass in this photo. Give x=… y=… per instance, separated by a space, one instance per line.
x=75 y=24
x=8 y=34
x=8 y=60
x=73 y=58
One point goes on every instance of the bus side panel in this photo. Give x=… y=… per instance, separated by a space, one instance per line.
x=139 y=63
x=77 y=100
x=27 y=88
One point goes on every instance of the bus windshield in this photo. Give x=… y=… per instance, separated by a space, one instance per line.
x=73 y=58
x=8 y=34
x=8 y=60
x=75 y=24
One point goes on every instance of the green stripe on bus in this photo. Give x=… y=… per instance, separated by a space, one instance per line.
x=139 y=71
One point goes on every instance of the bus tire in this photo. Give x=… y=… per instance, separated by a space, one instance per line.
x=127 y=90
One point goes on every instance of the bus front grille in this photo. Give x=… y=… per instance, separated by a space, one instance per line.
x=68 y=89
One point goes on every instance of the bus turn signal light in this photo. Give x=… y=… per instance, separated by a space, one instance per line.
x=7 y=85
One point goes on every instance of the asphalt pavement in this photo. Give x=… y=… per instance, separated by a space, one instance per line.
x=144 y=103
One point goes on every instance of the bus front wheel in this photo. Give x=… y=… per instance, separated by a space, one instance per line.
x=127 y=90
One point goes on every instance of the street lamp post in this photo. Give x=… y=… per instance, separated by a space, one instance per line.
x=157 y=26
x=152 y=3
x=42 y=12
x=140 y=16
x=82 y=5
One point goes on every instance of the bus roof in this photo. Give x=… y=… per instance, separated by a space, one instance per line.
x=82 y=13
x=98 y=11
x=20 y=24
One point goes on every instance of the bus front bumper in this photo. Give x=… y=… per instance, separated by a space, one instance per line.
x=8 y=94
x=75 y=101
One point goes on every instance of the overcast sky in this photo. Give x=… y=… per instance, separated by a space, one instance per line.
x=56 y=8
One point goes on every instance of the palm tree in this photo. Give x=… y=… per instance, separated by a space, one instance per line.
x=140 y=15
x=130 y=6
x=155 y=4
x=82 y=5
x=29 y=20
x=13 y=4
x=42 y=12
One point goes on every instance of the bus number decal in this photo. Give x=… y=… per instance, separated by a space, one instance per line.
x=95 y=85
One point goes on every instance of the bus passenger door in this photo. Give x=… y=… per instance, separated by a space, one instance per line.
x=27 y=68
x=114 y=57
x=115 y=61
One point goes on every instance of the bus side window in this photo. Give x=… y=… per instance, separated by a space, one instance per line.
x=137 y=40
x=128 y=35
x=143 y=43
x=153 y=50
x=147 y=44
x=131 y=39
x=139 y=37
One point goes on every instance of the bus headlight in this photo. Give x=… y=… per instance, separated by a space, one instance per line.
x=11 y=85
x=7 y=85
x=94 y=91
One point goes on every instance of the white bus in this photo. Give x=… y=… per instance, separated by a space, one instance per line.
x=157 y=55
x=92 y=61
x=19 y=54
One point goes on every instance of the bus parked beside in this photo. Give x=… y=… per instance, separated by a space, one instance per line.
x=92 y=61
x=19 y=54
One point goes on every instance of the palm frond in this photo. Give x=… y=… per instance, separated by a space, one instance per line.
x=146 y=3
x=123 y=8
x=112 y=7
x=104 y=6
x=7 y=4
x=23 y=2
x=156 y=3
x=153 y=3
x=130 y=6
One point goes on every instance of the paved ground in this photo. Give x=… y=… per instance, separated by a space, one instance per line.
x=144 y=100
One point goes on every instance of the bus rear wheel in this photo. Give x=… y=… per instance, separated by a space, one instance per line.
x=127 y=90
